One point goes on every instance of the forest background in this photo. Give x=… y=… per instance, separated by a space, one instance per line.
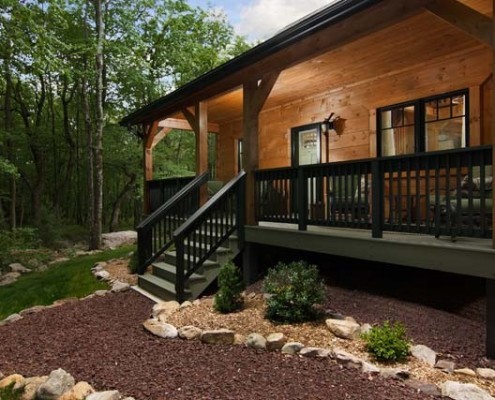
x=71 y=69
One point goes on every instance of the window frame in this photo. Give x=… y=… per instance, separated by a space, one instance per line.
x=420 y=120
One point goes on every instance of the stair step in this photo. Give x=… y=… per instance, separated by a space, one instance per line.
x=220 y=250
x=171 y=257
x=159 y=287
x=169 y=271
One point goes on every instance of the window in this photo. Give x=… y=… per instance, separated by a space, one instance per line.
x=436 y=123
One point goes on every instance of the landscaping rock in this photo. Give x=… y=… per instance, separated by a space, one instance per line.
x=486 y=373
x=314 y=352
x=292 y=348
x=369 y=368
x=2 y=375
x=99 y=266
x=365 y=328
x=256 y=341
x=116 y=239
x=79 y=392
x=10 y=319
x=108 y=395
x=67 y=300
x=465 y=371
x=16 y=379
x=103 y=275
x=219 y=336
x=426 y=388
x=424 y=353
x=334 y=315
x=165 y=307
x=58 y=383
x=445 y=365
x=395 y=373
x=190 y=333
x=239 y=339
x=118 y=286
x=184 y=305
x=343 y=329
x=9 y=278
x=59 y=260
x=17 y=267
x=348 y=359
x=196 y=302
x=275 y=341
x=101 y=293
x=464 y=391
x=161 y=329
x=31 y=386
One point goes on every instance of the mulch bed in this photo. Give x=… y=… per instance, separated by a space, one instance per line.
x=102 y=341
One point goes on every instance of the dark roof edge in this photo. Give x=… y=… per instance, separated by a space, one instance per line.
x=312 y=23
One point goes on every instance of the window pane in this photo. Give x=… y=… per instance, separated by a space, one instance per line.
x=397 y=117
x=431 y=110
x=444 y=108
x=458 y=106
x=398 y=141
x=386 y=118
x=447 y=134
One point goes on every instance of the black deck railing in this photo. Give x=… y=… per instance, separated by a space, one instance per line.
x=155 y=232
x=441 y=193
x=205 y=231
x=162 y=190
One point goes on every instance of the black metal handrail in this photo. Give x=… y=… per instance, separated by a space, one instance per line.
x=155 y=232
x=204 y=232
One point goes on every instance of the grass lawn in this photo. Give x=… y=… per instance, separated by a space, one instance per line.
x=71 y=278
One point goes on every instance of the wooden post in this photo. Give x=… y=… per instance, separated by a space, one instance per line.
x=199 y=124
x=493 y=127
x=151 y=131
x=255 y=93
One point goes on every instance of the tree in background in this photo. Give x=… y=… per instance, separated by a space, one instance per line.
x=70 y=71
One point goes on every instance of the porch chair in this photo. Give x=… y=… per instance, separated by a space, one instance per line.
x=470 y=203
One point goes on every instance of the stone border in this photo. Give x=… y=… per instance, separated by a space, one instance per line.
x=340 y=326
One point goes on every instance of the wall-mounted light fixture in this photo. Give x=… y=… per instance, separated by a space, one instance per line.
x=337 y=124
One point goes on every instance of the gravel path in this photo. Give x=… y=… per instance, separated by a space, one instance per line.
x=101 y=340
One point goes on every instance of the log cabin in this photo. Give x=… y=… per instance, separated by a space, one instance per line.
x=363 y=130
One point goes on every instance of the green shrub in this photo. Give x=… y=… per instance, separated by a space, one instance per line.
x=387 y=342
x=134 y=262
x=230 y=286
x=295 y=289
x=8 y=393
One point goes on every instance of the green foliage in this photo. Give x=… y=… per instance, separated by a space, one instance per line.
x=8 y=393
x=71 y=278
x=134 y=262
x=230 y=286
x=387 y=342
x=294 y=288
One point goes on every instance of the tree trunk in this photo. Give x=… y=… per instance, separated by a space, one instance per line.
x=8 y=129
x=96 y=223
x=123 y=195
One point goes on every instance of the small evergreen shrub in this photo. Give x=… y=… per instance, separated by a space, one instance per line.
x=387 y=342
x=8 y=393
x=295 y=289
x=230 y=286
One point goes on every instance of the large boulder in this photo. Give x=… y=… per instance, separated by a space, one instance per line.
x=218 y=336
x=58 y=382
x=344 y=329
x=161 y=329
x=18 y=267
x=116 y=239
x=424 y=354
x=486 y=373
x=464 y=391
x=256 y=341
x=31 y=386
x=17 y=380
x=79 y=392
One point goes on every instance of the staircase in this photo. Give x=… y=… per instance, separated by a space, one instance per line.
x=161 y=280
x=182 y=246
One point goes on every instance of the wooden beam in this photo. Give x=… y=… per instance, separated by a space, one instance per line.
x=183 y=124
x=191 y=119
x=255 y=93
x=151 y=131
x=465 y=18
x=160 y=135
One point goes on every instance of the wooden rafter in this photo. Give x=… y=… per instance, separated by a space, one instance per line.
x=465 y=18
x=160 y=135
x=176 y=123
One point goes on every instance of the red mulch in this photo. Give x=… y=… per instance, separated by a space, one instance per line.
x=102 y=341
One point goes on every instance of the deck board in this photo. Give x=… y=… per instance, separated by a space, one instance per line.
x=467 y=256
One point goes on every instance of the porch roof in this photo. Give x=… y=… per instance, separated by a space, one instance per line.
x=397 y=34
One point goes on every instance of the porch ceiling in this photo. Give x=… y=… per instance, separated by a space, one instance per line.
x=418 y=40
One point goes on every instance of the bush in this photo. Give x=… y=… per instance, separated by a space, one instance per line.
x=230 y=286
x=295 y=289
x=9 y=393
x=387 y=342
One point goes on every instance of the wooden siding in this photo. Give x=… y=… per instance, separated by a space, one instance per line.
x=357 y=104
